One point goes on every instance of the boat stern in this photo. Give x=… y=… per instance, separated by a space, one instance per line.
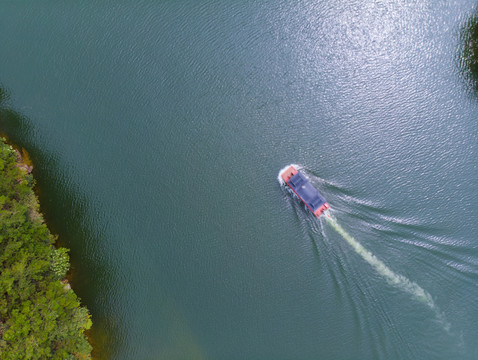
x=321 y=209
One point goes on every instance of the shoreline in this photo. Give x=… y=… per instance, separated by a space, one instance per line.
x=25 y=163
x=46 y=283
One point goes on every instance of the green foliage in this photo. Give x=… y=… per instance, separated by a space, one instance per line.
x=469 y=53
x=60 y=262
x=39 y=317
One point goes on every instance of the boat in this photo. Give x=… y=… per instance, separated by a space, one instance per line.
x=305 y=191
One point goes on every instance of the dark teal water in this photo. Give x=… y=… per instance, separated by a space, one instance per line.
x=158 y=130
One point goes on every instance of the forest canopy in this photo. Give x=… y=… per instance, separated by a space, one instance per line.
x=40 y=316
x=469 y=52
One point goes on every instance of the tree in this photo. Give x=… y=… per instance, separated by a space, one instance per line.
x=39 y=317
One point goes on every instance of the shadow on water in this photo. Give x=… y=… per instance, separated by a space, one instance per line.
x=468 y=54
x=66 y=210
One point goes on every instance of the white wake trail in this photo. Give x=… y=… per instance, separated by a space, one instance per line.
x=396 y=280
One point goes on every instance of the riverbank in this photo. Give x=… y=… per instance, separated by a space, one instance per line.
x=40 y=316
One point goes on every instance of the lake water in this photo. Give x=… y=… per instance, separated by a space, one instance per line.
x=158 y=130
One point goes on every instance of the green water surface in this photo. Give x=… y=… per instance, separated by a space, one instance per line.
x=158 y=129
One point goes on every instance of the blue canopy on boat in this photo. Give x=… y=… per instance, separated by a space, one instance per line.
x=306 y=191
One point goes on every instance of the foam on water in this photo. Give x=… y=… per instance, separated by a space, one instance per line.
x=397 y=280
